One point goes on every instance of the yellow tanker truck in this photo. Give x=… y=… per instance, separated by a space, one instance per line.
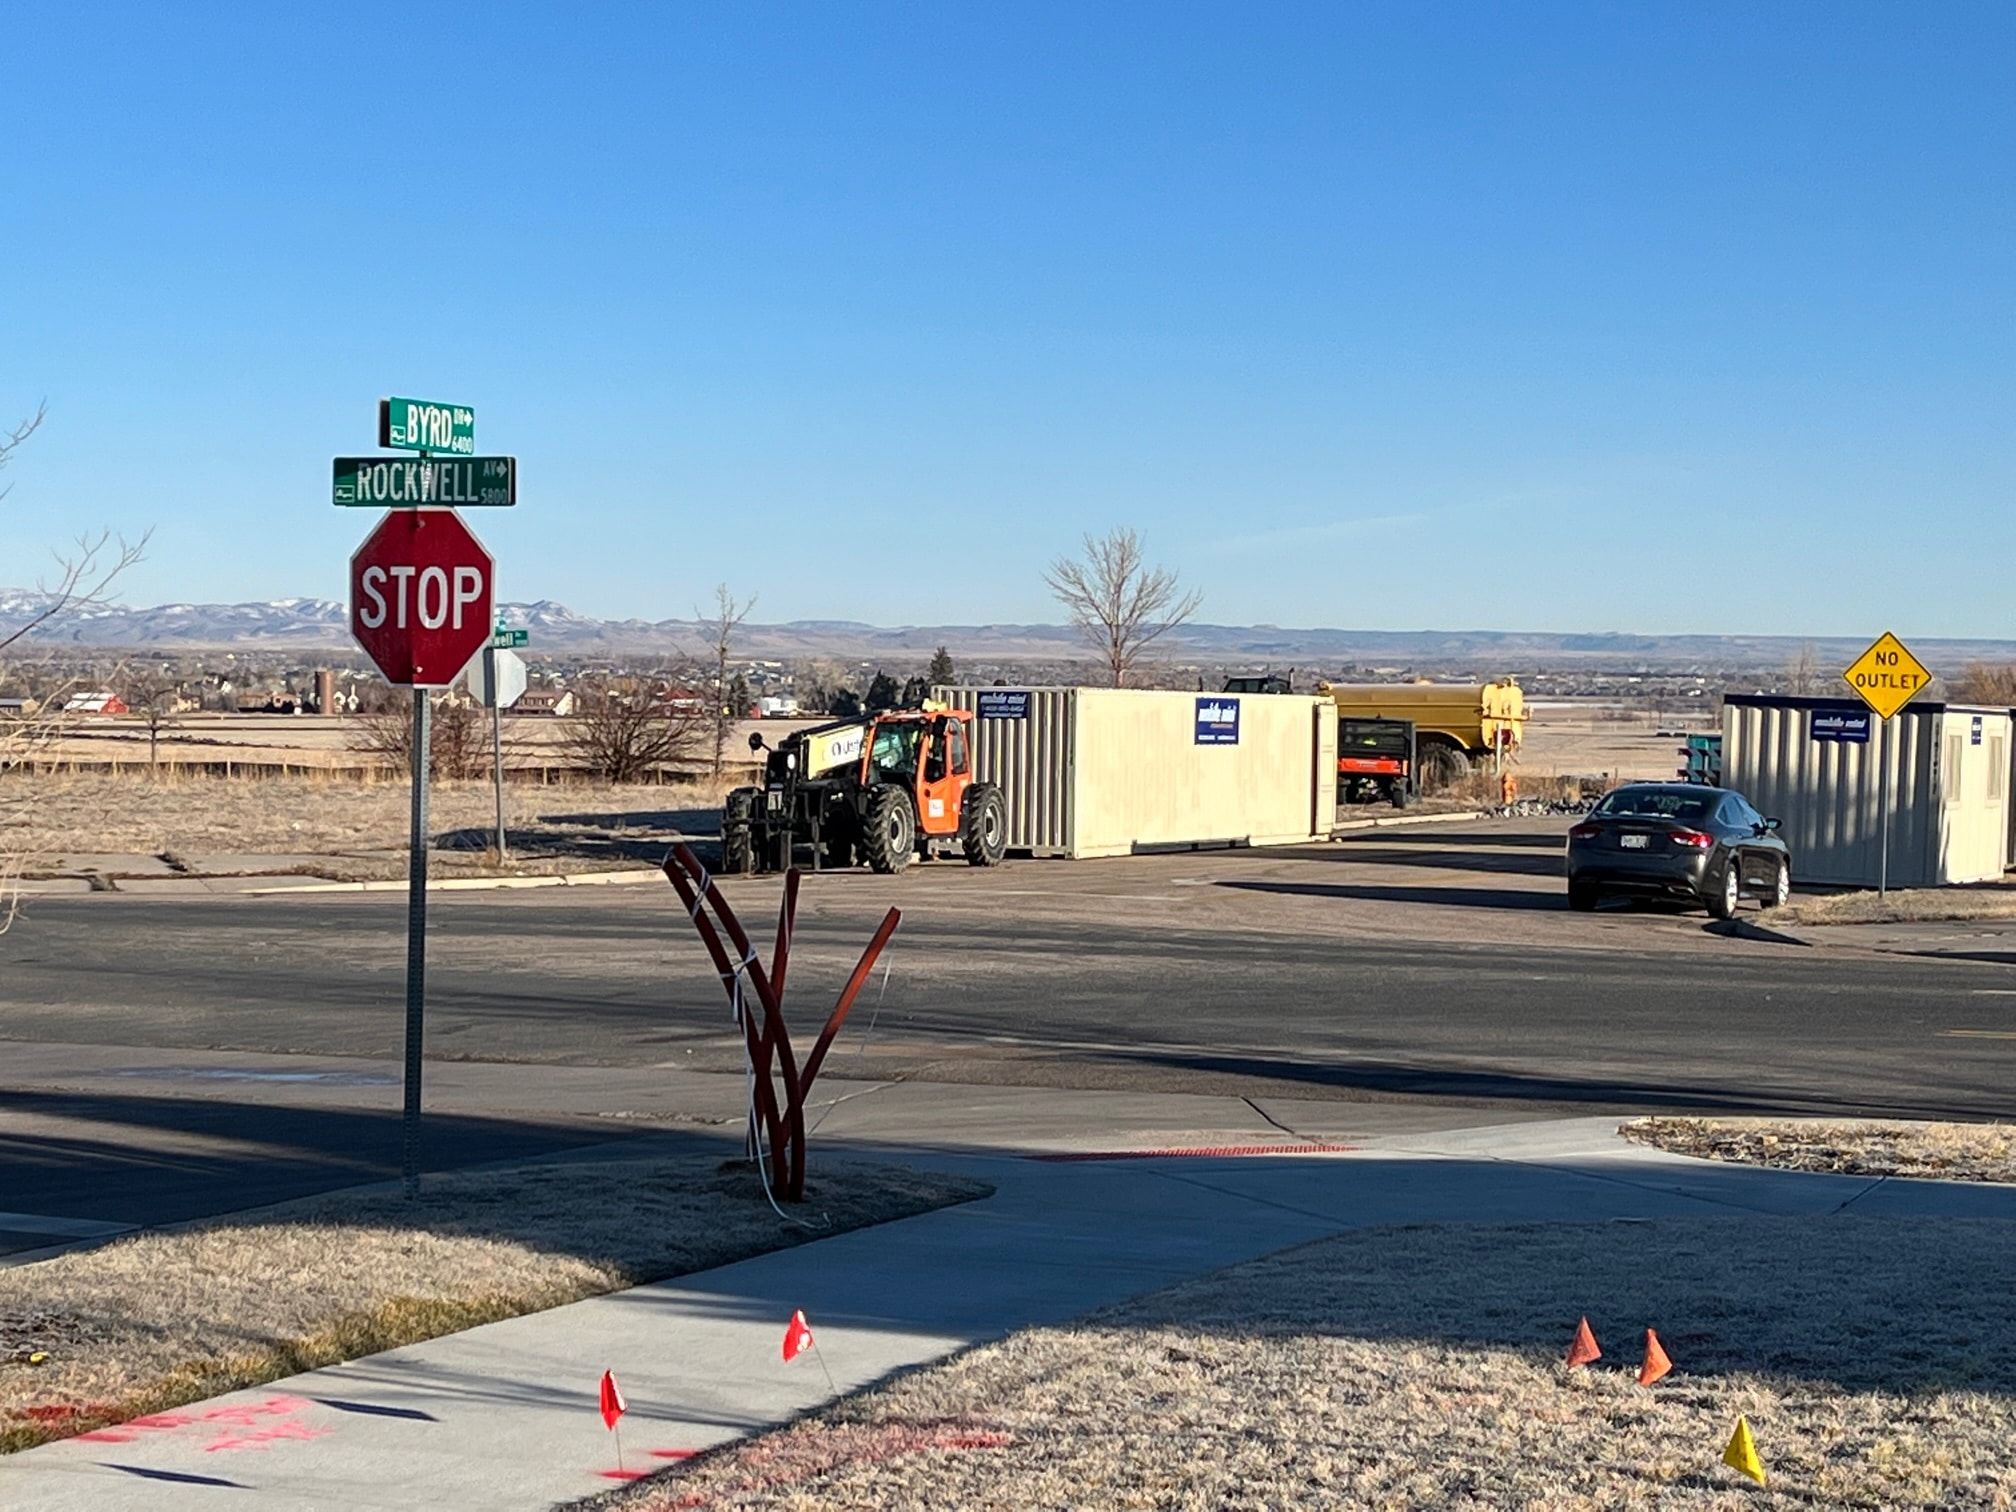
x=1454 y=723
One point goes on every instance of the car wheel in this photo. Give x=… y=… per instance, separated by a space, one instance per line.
x=1723 y=900
x=1582 y=897
x=1781 y=887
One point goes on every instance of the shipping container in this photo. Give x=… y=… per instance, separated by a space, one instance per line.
x=1114 y=771
x=1816 y=764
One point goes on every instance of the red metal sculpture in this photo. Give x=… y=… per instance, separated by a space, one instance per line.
x=764 y=1035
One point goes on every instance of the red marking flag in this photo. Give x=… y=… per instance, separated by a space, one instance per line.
x=613 y=1405
x=797 y=1337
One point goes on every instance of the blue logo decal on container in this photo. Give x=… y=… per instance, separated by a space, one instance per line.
x=995 y=704
x=1850 y=727
x=1218 y=721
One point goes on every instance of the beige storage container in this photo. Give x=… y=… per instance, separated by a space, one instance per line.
x=1948 y=767
x=1114 y=771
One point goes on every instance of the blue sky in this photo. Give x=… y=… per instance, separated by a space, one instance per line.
x=1578 y=317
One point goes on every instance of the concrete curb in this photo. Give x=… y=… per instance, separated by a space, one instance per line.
x=1745 y=929
x=467 y=884
x=1400 y=819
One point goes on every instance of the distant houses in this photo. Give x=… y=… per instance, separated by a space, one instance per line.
x=99 y=705
x=553 y=703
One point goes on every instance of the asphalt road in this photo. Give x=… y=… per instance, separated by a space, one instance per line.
x=1439 y=967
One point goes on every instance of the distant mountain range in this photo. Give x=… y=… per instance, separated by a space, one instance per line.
x=308 y=624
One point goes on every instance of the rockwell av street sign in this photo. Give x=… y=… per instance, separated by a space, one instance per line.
x=417 y=482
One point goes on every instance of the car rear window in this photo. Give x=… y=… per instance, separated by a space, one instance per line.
x=1655 y=803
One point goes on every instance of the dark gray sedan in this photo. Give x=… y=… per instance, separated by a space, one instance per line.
x=1675 y=840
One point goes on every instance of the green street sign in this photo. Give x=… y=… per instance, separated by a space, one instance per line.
x=411 y=482
x=509 y=640
x=424 y=425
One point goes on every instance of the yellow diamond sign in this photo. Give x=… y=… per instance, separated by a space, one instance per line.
x=1888 y=676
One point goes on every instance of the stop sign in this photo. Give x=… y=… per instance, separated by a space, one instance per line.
x=420 y=597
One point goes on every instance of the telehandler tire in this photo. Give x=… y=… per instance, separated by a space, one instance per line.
x=888 y=829
x=983 y=825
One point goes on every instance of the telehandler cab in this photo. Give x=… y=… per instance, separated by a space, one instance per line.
x=885 y=788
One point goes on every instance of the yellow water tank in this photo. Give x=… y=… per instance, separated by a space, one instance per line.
x=1478 y=717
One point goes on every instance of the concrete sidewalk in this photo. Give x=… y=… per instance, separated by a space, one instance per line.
x=503 y=1417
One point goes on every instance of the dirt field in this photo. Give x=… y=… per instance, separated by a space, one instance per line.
x=1560 y=740
x=582 y=826
x=313 y=740
x=1940 y=1151
x=1421 y=1368
x=1622 y=745
x=148 y=1323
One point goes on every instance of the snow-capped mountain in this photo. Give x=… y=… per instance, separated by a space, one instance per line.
x=311 y=624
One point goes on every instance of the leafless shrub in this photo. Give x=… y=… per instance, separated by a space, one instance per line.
x=1802 y=673
x=622 y=732
x=1117 y=601
x=458 y=737
x=1986 y=683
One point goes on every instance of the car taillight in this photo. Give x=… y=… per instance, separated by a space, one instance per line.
x=1694 y=839
x=1585 y=832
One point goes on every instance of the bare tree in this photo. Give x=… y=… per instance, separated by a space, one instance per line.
x=82 y=577
x=624 y=736
x=721 y=625
x=1991 y=683
x=152 y=696
x=1117 y=601
x=1802 y=673
x=815 y=683
x=458 y=737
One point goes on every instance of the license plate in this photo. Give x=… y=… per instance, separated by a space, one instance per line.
x=1635 y=842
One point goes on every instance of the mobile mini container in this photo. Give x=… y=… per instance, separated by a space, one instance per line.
x=1817 y=765
x=1114 y=771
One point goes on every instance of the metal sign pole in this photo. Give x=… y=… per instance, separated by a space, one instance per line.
x=416 y=945
x=1883 y=812
x=497 y=749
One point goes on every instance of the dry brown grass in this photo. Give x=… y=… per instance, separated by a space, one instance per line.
x=1856 y=1146
x=1916 y=905
x=94 y=813
x=150 y=1322
x=1419 y=1368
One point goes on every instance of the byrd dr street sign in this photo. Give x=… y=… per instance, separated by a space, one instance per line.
x=417 y=482
x=420 y=597
x=1887 y=676
x=423 y=425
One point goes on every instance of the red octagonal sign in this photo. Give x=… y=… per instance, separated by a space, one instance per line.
x=420 y=597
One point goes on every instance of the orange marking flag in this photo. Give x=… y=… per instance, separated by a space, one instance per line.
x=1583 y=1348
x=1656 y=1364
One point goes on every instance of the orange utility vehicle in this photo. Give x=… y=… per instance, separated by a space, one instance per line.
x=886 y=788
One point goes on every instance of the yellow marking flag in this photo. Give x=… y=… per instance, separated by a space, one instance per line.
x=1741 y=1455
x=1887 y=676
